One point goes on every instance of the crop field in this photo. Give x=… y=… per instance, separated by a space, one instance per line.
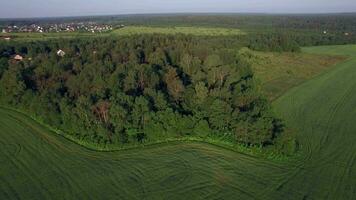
x=322 y=111
x=37 y=164
x=198 y=31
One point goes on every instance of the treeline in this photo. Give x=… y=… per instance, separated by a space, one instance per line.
x=292 y=41
x=278 y=42
x=137 y=89
x=267 y=32
x=317 y=39
x=307 y=22
x=311 y=22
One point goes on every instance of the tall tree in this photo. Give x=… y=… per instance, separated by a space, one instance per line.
x=175 y=86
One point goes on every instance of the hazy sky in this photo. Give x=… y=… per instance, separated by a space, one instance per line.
x=50 y=8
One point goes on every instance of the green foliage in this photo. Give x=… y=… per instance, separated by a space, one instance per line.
x=200 y=31
x=12 y=86
x=274 y=42
x=138 y=89
x=160 y=165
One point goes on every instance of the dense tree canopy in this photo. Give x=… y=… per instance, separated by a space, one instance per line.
x=138 y=89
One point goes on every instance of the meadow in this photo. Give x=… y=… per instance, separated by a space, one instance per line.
x=127 y=31
x=279 y=72
x=197 y=31
x=48 y=36
x=38 y=164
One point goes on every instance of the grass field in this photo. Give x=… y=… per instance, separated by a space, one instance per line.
x=279 y=72
x=36 y=164
x=127 y=31
x=48 y=36
x=198 y=31
x=323 y=111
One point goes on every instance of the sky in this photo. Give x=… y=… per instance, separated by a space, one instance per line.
x=54 y=8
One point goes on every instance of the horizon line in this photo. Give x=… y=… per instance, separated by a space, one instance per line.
x=179 y=13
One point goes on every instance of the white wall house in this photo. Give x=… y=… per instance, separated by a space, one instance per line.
x=18 y=57
x=61 y=53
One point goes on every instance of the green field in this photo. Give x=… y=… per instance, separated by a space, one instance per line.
x=48 y=36
x=322 y=111
x=37 y=164
x=128 y=31
x=279 y=72
x=198 y=31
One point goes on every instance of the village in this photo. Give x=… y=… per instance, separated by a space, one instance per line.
x=19 y=57
x=90 y=27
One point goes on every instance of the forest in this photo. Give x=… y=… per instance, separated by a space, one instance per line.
x=143 y=88
x=139 y=89
x=204 y=100
x=337 y=22
x=146 y=88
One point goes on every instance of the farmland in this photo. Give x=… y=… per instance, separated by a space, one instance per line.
x=37 y=164
x=321 y=111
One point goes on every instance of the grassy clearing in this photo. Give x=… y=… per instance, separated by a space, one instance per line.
x=198 y=31
x=38 y=165
x=348 y=50
x=48 y=36
x=279 y=72
x=127 y=31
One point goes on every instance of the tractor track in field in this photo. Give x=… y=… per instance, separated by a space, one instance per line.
x=324 y=122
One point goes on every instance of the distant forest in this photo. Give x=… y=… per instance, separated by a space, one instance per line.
x=263 y=29
x=311 y=22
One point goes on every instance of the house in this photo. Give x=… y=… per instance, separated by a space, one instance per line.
x=61 y=53
x=18 y=57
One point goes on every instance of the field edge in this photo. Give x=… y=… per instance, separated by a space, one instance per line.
x=251 y=151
